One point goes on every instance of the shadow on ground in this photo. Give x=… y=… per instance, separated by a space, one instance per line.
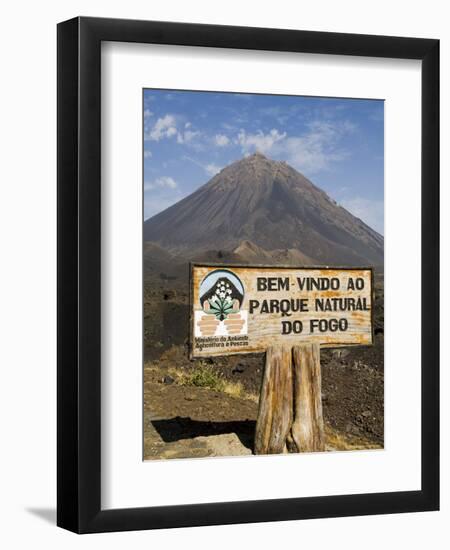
x=174 y=429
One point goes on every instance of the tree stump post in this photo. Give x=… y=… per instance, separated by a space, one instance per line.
x=275 y=402
x=307 y=428
x=290 y=405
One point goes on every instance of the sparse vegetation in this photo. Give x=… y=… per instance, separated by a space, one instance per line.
x=338 y=441
x=206 y=376
x=194 y=403
x=199 y=394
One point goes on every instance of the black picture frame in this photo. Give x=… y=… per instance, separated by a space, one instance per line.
x=79 y=281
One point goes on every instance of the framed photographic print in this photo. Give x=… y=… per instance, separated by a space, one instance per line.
x=248 y=257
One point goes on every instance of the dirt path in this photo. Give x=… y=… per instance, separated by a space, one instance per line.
x=181 y=422
x=190 y=422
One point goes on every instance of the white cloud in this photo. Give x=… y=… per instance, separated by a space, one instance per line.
x=279 y=113
x=167 y=127
x=311 y=152
x=163 y=181
x=159 y=194
x=229 y=127
x=260 y=142
x=369 y=211
x=187 y=136
x=147 y=113
x=212 y=169
x=147 y=154
x=164 y=127
x=221 y=140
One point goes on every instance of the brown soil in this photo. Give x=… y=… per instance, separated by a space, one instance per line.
x=189 y=421
x=183 y=421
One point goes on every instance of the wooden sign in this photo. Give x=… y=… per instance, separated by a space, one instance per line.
x=245 y=309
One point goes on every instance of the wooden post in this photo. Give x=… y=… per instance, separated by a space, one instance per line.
x=307 y=428
x=275 y=413
x=290 y=404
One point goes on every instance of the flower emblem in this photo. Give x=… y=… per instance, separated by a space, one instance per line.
x=222 y=294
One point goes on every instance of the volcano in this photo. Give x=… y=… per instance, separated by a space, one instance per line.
x=269 y=209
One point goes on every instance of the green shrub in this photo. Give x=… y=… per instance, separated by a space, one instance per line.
x=205 y=377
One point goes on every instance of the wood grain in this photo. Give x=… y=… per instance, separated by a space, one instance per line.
x=307 y=430
x=265 y=329
x=275 y=402
x=290 y=415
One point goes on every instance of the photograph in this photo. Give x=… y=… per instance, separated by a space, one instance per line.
x=229 y=237
x=263 y=274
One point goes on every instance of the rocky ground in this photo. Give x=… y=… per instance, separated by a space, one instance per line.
x=192 y=422
x=183 y=420
x=209 y=407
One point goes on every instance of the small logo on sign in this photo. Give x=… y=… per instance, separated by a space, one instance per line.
x=221 y=295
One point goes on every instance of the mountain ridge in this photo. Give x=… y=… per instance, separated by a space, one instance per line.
x=272 y=206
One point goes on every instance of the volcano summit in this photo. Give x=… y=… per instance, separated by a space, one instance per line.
x=265 y=207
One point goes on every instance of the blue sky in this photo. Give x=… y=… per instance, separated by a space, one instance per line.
x=337 y=143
